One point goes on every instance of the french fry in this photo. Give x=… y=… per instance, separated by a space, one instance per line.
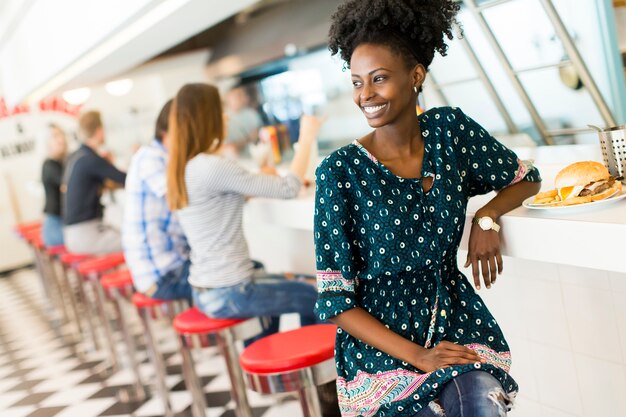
x=548 y=200
x=574 y=201
x=545 y=195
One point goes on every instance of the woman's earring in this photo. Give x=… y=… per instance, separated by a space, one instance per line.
x=415 y=88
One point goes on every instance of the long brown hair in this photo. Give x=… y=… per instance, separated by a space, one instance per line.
x=196 y=126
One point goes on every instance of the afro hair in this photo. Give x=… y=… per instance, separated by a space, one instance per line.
x=415 y=29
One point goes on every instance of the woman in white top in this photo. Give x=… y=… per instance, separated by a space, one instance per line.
x=209 y=191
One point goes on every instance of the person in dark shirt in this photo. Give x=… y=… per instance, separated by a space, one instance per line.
x=84 y=179
x=51 y=177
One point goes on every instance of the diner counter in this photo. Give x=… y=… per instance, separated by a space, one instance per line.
x=590 y=237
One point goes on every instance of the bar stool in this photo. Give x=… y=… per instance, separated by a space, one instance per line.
x=153 y=309
x=297 y=360
x=72 y=260
x=53 y=255
x=196 y=330
x=118 y=286
x=32 y=236
x=69 y=263
x=22 y=228
x=30 y=233
x=90 y=272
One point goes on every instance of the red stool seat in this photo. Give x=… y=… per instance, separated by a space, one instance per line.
x=36 y=241
x=143 y=301
x=70 y=258
x=22 y=228
x=56 y=250
x=101 y=263
x=31 y=234
x=195 y=321
x=117 y=279
x=290 y=351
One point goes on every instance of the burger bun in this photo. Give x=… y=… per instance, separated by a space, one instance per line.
x=581 y=174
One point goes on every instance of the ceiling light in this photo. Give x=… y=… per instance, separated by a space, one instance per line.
x=77 y=96
x=291 y=49
x=119 y=87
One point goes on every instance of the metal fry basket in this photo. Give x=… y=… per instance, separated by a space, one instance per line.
x=613 y=144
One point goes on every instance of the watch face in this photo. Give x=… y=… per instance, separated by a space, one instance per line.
x=485 y=223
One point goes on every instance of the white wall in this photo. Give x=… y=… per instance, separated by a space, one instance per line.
x=567 y=331
x=21 y=192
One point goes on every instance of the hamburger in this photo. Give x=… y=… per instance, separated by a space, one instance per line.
x=584 y=182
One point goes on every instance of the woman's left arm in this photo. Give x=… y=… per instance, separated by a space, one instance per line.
x=484 y=245
x=492 y=166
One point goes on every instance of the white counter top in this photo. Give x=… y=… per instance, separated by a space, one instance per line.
x=591 y=238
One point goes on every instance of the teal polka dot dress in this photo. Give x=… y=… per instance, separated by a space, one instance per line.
x=387 y=246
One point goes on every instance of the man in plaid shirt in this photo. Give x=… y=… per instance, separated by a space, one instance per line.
x=155 y=247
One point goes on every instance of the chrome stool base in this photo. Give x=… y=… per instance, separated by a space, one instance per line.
x=225 y=340
x=302 y=381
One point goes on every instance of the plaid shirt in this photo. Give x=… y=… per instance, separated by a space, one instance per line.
x=154 y=243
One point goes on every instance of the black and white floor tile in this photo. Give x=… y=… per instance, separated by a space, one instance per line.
x=44 y=374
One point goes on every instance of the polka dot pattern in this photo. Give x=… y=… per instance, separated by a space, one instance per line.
x=389 y=247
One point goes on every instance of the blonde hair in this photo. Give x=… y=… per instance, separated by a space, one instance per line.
x=88 y=124
x=195 y=126
x=56 y=142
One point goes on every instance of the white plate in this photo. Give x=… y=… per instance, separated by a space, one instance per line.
x=528 y=203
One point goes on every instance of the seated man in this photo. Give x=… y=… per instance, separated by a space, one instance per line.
x=155 y=247
x=83 y=182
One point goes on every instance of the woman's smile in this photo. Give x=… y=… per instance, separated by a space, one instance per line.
x=373 y=111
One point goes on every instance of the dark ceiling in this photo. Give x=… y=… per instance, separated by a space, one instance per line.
x=210 y=37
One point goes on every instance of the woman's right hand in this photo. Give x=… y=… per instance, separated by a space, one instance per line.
x=446 y=354
x=268 y=170
x=309 y=127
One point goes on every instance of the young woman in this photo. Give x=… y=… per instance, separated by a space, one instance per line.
x=209 y=192
x=414 y=338
x=51 y=177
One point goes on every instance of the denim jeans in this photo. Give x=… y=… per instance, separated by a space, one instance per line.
x=264 y=296
x=52 y=230
x=174 y=285
x=473 y=394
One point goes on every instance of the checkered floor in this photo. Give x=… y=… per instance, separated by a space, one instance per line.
x=44 y=374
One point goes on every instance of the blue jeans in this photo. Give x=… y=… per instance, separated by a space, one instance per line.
x=174 y=285
x=473 y=394
x=266 y=296
x=52 y=230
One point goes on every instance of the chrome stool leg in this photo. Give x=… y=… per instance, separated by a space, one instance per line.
x=131 y=348
x=51 y=308
x=67 y=284
x=106 y=325
x=226 y=343
x=51 y=275
x=192 y=382
x=309 y=401
x=157 y=360
x=86 y=310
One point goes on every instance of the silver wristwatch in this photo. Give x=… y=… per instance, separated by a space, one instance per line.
x=487 y=223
